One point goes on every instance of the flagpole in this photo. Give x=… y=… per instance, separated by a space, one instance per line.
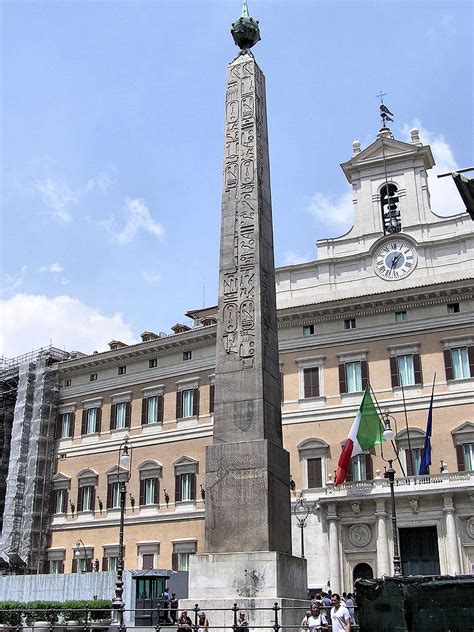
x=408 y=429
x=394 y=445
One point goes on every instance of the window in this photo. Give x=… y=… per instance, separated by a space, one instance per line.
x=453 y=308
x=112 y=563
x=152 y=409
x=465 y=457
x=315 y=473
x=459 y=362
x=60 y=498
x=86 y=498
x=182 y=552
x=67 y=382
x=187 y=355
x=400 y=317
x=113 y=494
x=66 y=425
x=361 y=468
x=91 y=418
x=185 y=489
x=350 y=323
x=212 y=393
x=152 y=363
x=122 y=370
x=308 y=330
x=148 y=560
x=412 y=461
x=311 y=382
x=56 y=567
x=92 y=377
x=354 y=377
x=120 y=414
x=187 y=403
x=149 y=491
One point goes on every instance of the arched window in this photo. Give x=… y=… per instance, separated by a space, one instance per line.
x=362 y=571
x=389 y=202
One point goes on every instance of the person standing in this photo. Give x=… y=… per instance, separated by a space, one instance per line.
x=174 y=604
x=314 y=619
x=242 y=623
x=340 y=617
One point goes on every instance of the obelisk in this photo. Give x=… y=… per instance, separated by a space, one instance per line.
x=248 y=519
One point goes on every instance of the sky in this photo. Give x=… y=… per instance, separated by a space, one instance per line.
x=112 y=144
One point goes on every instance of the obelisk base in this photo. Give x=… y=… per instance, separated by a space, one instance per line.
x=255 y=581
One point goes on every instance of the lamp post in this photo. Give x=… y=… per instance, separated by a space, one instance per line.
x=77 y=553
x=124 y=460
x=389 y=435
x=301 y=511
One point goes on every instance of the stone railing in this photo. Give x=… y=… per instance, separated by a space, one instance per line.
x=380 y=485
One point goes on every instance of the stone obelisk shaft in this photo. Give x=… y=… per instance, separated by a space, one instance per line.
x=247 y=470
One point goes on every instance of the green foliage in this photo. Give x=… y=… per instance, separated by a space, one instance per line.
x=9 y=612
x=52 y=611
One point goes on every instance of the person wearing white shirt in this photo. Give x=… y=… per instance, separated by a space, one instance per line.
x=340 y=617
x=314 y=619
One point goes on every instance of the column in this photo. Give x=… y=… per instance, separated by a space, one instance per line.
x=334 y=562
x=454 y=566
x=383 y=559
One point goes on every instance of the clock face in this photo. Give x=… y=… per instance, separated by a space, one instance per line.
x=395 y=259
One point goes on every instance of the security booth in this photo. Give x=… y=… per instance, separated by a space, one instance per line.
x=148 y=586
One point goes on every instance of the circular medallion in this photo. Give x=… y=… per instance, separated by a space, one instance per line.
x=360 y=534
x=394 y=259
x=470 y=527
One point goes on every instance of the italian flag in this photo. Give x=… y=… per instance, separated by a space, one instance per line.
x=366 y=431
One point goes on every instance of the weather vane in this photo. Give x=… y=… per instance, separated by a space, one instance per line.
x=385 y=113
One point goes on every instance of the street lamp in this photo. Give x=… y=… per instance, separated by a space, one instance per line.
x=77 y=553
x=124 y=461
x=389 y=435
x=302 y=511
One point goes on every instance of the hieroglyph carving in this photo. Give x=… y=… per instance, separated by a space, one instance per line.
x=244 y=153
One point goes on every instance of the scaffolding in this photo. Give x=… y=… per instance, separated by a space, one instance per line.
x=30 y=393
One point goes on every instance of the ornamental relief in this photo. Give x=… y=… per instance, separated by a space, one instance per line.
x=360 y=535
x=470 y=527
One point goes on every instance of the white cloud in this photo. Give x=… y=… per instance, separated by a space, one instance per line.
x=291 y=258
x=150 y=277
x=57 y=196
x=11 y=282
x=55 y=268
x=332 y=212
x=32 y=321
x=139 y=218
x=445 y=199
x=101 y=182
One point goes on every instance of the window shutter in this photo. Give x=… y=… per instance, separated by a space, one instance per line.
x=61 y=566
x=409 y=460
x=196 y=402
x=349 y=477
x=105 y=564
x=47 y=567
x=282 y=388
x=315 y=477
x=311 y=382
x=58 y=427
x=177 y=488
x=74 y=565
x=448 y=364
x=342 y=379
x=72 y=423
x=144 y=411
x=160 y=407
x=80 y=496
x=364 y=371
x=89 y=564
x=147 y=561
x=128 y=414
x=156 y=492
x=84 y=421
x=110 y=487
x=93 y=498
x=394 y=371
x=193 y=486
x=369 y=474
x=65 y=499
x=307 y=382
x=142 y=492
x=98 y=420
x=211 y=397
x=174 y=561
x=460 y=457
x=417 y=368
x=470 y=355
x=113 y=416
x=179 y=405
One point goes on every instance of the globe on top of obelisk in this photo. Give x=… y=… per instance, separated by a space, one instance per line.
x=245 y=30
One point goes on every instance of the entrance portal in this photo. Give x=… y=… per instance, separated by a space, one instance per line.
x=419 y=551
x=362 y=571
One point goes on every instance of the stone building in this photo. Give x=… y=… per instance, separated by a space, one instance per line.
x=390 y=302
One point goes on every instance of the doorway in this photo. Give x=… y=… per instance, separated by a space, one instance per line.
x=148 y=597
x=419 y=551
x=362 y=571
